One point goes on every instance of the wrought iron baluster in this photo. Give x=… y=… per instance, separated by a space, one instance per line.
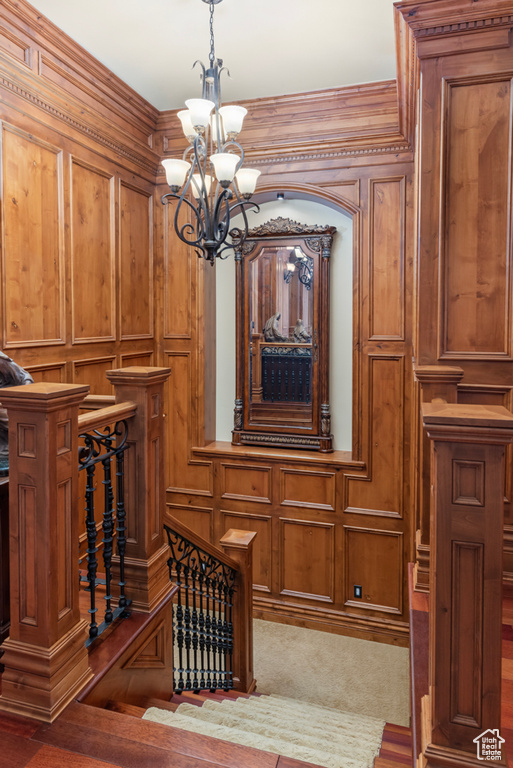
x=204 y=636
x=201 y=629
x=108 y=530
x=123 y=602
x=100 y=446
x=230 y=638
x=92 y=549
x=194 y=633
x=180 y=684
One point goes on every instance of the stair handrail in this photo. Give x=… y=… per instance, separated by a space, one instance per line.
x=46 y=662
x=213 y=614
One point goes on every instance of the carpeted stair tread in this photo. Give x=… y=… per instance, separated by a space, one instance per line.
x=292 y=723
x=328 y=714
x=296 y=730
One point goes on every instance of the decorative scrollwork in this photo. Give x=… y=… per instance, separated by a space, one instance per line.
x=102 y=444
x=192 y=557
x=283 y=227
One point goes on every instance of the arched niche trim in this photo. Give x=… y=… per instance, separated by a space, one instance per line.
x=323 y=195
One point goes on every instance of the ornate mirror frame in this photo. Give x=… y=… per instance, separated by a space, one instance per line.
x=261 y=415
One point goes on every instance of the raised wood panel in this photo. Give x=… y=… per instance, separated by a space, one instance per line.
x=27 y=527
x=177 y=281
x=262 y=547
x=246 y=483
x=467 y=632
x=307 y=552
x=32 y=241
x=349 y=190
x=381 y=493
x=51 y=372
x=374 y=561
x=66 y=570
x=135 y=263
x=11 y=44
x=303 y=488
x=198 y=519
x=92 y=372
x=183 y=473
x=476 y=287
x=137 y=358
x=92 y=253
x=386 y=258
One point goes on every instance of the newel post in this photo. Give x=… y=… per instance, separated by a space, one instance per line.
x=146 y=571
x=440 y=383
x=45 y=658
x=239 y=546
x=467 y=473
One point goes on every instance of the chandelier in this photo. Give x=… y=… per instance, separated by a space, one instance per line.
x=209 y=180
x=301 y=262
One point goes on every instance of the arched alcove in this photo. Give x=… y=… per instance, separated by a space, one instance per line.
x=307 y=206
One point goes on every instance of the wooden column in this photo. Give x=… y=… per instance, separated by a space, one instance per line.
x=146 y=571
x=467 y=471
x=4 y=558
x=45 y=658
x=439 y=383
x=239 y=546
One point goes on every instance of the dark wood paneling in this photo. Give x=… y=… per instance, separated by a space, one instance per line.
x=307 y=559
x=33 y=240
x=476 y=288
x=368 y=555
x=92 y=244
x=386 y=267
x=246 y=482
x=135 y=263
x=262 y=548
x=301 y=488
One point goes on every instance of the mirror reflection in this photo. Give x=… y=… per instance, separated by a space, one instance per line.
x=281 y=320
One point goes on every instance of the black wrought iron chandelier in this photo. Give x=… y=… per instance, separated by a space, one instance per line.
x=209 y=180
x=303 y=264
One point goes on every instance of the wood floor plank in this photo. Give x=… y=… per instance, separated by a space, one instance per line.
x=17 y=725
x=124 y=752
x=290 y=762
x=51 y=757
x=181 y=742
x=16 y=751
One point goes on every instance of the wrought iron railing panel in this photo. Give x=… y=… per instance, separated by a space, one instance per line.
x=104 y=447
x=202 y=617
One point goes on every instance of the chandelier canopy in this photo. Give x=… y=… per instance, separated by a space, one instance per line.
x=210 y=180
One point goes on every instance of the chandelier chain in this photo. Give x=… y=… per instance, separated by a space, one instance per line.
x=212 y=51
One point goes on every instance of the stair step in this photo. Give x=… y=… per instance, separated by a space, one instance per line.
x=126 y=709
x=171 y=706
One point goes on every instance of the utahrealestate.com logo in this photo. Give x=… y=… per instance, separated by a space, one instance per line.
x=489 y=745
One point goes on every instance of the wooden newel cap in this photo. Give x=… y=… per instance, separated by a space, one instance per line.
x=238 y=539
x=42 y=395
x=467 y=423
x=138 y=375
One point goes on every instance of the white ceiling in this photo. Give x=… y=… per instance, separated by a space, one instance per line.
x=271 y=47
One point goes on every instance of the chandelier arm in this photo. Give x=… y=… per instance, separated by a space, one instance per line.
x=187 y=227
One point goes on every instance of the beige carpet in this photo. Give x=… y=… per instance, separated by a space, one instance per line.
x=341 y=672
x=285 y=727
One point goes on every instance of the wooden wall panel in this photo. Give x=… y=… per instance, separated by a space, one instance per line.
x=137 y=358
x=32 y=240
x=92 y=249
x=183 y=473
x=307 y=559
x=51 y=372
x=476 y=288
x=369 y=554
x=382 y=492
x=199 y=519
x=307 y=489
x=178 y=278
x=386 y=258
x=93 y=372
x=262 y=547
x=246 y=483
x=135 y=263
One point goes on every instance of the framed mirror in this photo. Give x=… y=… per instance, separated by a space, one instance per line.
x=282 y=336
